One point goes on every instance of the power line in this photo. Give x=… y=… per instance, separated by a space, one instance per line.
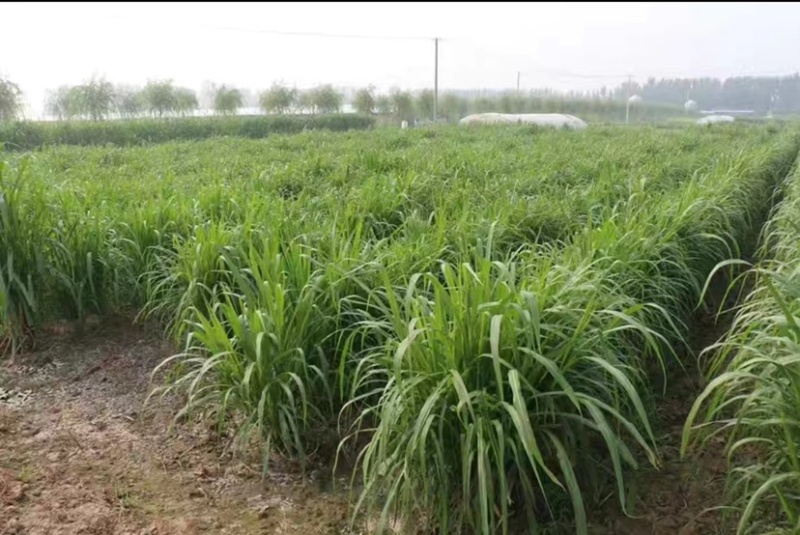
x=568 y=74
x=118 y=18
x=323 y=34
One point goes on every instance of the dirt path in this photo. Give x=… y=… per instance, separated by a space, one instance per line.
x=683 y=497
x=79 y=455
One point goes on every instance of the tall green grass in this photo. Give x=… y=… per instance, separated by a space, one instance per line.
x=27 y=135
x=480 y=312
x=22 y=233
x=474 y=357
x=751 y=400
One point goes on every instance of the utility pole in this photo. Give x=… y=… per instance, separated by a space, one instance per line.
x=518 y=75
x=628 y=100
x=435 y=77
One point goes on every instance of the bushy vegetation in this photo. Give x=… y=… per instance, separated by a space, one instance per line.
x=31 y=135
x=483 y=308
x=10 y=100
x=753 y=396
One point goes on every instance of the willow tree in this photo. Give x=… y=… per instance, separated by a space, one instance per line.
x=364 y=101
x=64 y=103
x=97 y=98
x=326 y=99
x=129 y=101
x=159 y=97
x=185 y=100
x=227 y=100
x=10 y=100
x=278 y=99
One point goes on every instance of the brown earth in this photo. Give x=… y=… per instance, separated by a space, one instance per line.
x=684 y=496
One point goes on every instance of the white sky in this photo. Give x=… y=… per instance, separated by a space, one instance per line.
x=44 y=45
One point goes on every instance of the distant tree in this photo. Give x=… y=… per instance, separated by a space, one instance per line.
x=403 y=105
x=10 y=100
x=305 y=101
x=185 y=100
x=511 y=103
x=227 y=100
x=160 y=97
x=278 y=99
x=66 y=102
x=484 y=105
x=96 y=98
x=326 y=99
x=55 y=103
x=453 y=107
x=424 y=103
x=129 y=101
x=364 y=101
x=384 y=104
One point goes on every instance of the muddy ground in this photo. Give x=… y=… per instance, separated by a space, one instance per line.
x=80 y=455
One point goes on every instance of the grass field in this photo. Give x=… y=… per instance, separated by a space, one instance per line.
x=30 y=135
x=480 y=315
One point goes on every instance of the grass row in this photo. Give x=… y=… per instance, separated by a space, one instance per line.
x=482 y=308
x=752 y=400
x=29 y=135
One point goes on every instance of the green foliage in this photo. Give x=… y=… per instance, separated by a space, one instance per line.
x=384 y=104
x=780 y=94
x=10 y=103
x=22 y=234
x=185 y=101
x=364 y=101
x=63 y=103
x=453 y=108
x=160 y=98
x=30 y=135
x=325 y=99
x=129 y=102
x=486 y=316
x=424 y=104
x=227 y=100
x=305 y=101
x=752 y=395
x=96 y=98
x=278 y=99
x=93 y=100
x=403 y=105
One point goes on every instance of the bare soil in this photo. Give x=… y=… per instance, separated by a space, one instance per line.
x=683 y=496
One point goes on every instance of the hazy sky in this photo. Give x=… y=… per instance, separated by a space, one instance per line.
x=557 y=45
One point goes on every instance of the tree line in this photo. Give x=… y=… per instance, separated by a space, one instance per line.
x=98 y=99
x=760 y=94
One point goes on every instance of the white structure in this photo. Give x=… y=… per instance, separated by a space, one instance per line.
x=556 y=120
x=690 y=105
x=403 y=125
x=635 y=99
x=716 y=119
x=486 y=118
